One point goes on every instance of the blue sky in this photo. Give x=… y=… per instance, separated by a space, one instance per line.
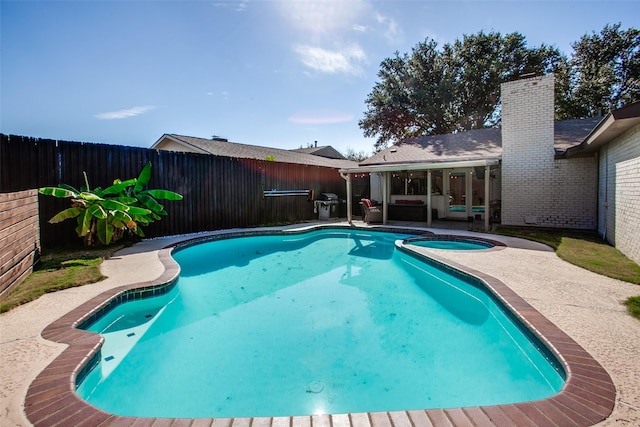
x=274 y=73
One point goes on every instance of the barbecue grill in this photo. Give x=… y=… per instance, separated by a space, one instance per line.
x=325 y=205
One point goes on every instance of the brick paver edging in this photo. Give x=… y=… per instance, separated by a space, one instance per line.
x=587 y=397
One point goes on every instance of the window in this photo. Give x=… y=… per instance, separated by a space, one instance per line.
x=407 y=183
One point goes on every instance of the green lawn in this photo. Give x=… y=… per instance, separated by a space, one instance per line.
x=60 y=269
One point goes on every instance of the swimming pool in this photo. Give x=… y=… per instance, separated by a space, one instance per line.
x=455 y=243
x=588 y=396
x=348 y=324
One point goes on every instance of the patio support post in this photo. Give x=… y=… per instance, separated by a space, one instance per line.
x=468 y=191
x=429 y=219
x=487 y=187
x=385 y=196
x=349 y=196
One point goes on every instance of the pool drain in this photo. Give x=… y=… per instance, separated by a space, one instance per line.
x=315 y=387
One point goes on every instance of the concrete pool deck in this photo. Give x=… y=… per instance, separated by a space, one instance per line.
x=584 y=305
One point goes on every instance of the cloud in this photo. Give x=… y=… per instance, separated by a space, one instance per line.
x=359 y=28
x=320 y=117
x=220 y=95
x=321 y=17
x=345 y=60
x=326 y=20
x=242 y=6
x=238 y=6
x=123 y=114
x=392 y=31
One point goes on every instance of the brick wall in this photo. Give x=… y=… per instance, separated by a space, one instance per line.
x=537 y=189
x=619 y=193
x=527 y=144
x=19 y=237
x=572 y=194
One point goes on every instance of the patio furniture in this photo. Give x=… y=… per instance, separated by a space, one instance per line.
x=408 y=210
x=370 y=212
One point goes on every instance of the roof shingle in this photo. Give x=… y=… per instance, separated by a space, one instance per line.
x=246 y=151
x=472 y=145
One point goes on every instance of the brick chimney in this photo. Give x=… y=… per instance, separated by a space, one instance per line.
x=527 y=149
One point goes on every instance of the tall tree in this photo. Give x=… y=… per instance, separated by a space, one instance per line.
x=352 y=155
x=457 y=88
x=604 y=72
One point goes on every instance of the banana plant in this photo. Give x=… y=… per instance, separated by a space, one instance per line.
x=107 y=214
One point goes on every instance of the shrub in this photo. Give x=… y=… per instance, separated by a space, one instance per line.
x=105 y=215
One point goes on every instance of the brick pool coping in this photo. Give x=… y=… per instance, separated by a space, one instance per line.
x=587 y=397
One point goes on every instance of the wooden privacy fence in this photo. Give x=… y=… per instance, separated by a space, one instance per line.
x=219 y=192
x=19 y=237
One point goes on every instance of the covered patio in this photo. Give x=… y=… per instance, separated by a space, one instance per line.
x=425 y=192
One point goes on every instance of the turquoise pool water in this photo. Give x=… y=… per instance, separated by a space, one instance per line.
x=450 y=244
x=321 y=322
x=463 y=208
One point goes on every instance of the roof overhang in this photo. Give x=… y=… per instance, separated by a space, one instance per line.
x=610 y=127
x=166 y=136
x=420 y=166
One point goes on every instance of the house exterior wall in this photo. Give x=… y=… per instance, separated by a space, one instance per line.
x=619 y=193
x=537 y=189
x=170 y=145
x=572 y=194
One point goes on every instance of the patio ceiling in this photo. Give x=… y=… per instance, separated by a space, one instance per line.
x=420 y=166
